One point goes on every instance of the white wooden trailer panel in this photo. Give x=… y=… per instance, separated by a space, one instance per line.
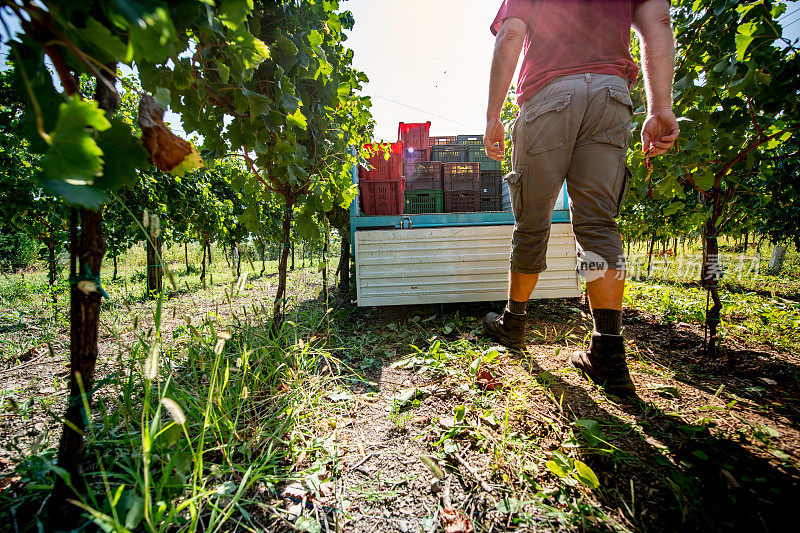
x=454 y=264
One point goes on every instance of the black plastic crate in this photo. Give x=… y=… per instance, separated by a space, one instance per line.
x=491 y=202
x=449 y=153
x=471 y=140
x=442 y=139
x=461 y=177
x=462 y=201
x=490 y=182
x=423 y=175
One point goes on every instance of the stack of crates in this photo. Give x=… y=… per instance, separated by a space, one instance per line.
x=423 y=187
x=460 y=181
x=381 y=181
x=462 y=187
x=491 y=190
x=423 y=178
x=424 y=174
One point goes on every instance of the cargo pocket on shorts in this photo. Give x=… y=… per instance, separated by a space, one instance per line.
x=614 y=126
x=547 y=123
x=514 y=184
x=623 y=190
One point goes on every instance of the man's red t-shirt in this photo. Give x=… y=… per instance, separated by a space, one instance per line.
x=571 y=37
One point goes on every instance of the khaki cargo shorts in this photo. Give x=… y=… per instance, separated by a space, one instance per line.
x=575 y=129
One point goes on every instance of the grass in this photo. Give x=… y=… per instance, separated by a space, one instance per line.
x=196 y=433
x=757 y=306
x=27 y=309
x=191 y=426
x=202 y=419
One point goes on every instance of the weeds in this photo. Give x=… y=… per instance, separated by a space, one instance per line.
x=202 y=419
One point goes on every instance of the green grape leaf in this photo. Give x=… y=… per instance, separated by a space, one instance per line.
x=250 y=51
x=98 y=40
x=29 y=63
x=86 y=196
x=233 y=13
x=297 y=119
x=122 y=155
x=742 y=43
x=289 y=101
x=314 y=38
x=163 y=97
x=135 y=11
x=224 y=72
x=155 y=41
x=258 y=103
x=74 y=155
x=287 y=52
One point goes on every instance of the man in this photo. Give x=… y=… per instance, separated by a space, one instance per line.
x=574 y=124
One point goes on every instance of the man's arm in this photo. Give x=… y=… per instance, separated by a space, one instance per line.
x=507 y=48
x=652 y=22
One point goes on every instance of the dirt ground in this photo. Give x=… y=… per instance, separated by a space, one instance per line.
x=711 y=444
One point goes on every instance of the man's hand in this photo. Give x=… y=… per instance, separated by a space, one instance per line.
x=659 y=131
x=494 y=140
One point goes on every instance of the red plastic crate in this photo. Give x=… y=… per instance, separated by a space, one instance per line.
x=414 y=135
x=462 y=201
x=438 y=141
x=423 y=175
x=382 y=168
x=382 y=197
x=462 y=177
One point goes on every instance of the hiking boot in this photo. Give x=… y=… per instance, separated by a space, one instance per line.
x=508 y=329
x=604 y=363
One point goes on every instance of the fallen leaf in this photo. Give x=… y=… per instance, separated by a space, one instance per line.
x=295 y=491
x=339 y=396
x=432 y=465
x=732 y=483
x=407 y=396
x=487 y=381
x=447 y=422
x=455 y=521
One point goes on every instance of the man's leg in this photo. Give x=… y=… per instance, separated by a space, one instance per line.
x=596 y=183
x=520 y=287
x=543 y=134
x=605 y=301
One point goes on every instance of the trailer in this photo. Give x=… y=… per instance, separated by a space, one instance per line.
x=452 y=257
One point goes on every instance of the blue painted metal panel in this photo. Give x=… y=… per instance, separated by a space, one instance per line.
x=438 y=220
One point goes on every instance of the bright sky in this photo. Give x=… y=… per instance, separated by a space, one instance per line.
x=426 y=60
x=429 y=60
